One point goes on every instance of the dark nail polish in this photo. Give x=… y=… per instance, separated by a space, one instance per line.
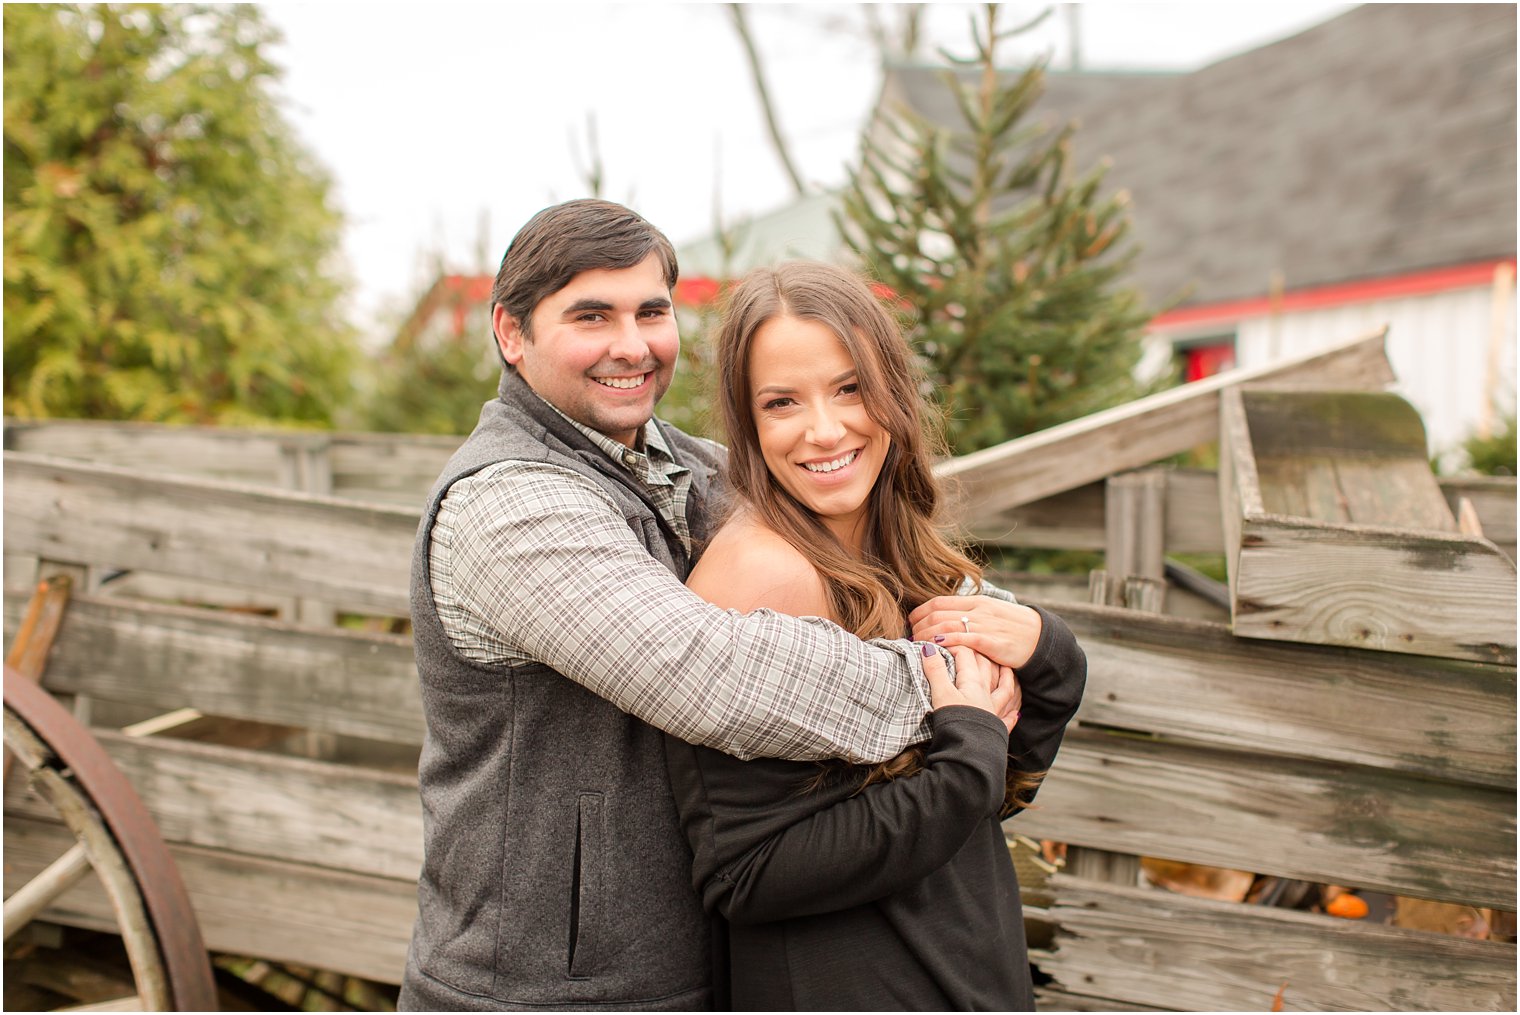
x=929 y=650
x=939 y=639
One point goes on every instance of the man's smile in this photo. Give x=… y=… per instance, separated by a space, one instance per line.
x=622 y=383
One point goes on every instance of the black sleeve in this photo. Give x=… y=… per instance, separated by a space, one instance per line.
x=1052 y=681
x=766 y=847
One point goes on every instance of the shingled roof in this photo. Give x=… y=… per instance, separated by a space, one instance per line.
x=1380 y=142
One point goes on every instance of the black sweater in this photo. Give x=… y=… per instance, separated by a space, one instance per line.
x=900 y=895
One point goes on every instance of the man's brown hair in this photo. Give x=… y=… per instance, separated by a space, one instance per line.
x=560 y=242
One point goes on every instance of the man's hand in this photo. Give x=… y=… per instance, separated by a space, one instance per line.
x=979 y=682
x=1004 y=632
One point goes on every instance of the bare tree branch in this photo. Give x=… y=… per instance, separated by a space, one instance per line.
x=736 y=13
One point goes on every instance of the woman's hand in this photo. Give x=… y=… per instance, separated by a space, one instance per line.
x=1004 y=632
x=979 y=682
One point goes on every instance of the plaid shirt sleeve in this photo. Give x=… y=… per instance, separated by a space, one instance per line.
x=986 y=588
x=533 y=562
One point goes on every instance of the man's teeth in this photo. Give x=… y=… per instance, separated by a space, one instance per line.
x=621 y=382
x=837 y=463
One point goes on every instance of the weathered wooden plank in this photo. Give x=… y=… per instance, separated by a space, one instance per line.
x=1442 y=718
x=1135 y=517
x=1147 y=946
x=1313 y=820
x=1055 y=589
x=1493 y=497
x=173 y=589
x=240 y=456
x=1309 y=579
x=348 y=554
x=268 y=909
x=329 y=681
x=1128 y=436
x=1046 y=999
x=1341 y=456
x=1070 y=520
x=1074 y=520
x=339 y=816
x=388 y=468
x=1425 y=593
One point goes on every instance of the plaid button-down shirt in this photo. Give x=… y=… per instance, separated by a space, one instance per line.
x=534 y=563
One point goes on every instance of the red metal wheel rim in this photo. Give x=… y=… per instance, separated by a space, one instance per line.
x=143 y=848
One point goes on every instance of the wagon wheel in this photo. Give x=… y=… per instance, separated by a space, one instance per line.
x=117 y=838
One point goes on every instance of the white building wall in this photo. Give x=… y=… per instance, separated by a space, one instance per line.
x=1439 y=346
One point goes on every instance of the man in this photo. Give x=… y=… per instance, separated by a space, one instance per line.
x=555 y=641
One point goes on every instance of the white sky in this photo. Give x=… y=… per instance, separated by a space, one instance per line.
x=435 y=118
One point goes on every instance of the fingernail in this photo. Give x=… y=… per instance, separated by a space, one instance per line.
x=929 y=650
x=939 y=639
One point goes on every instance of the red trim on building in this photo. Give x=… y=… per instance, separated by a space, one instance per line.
x=696 y=291
x=1418 y=283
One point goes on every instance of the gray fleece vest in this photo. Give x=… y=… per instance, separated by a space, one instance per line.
x=555 y=871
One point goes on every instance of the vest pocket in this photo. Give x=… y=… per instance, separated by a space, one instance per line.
x=585 y=886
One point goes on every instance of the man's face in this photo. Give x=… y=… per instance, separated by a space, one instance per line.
x=603 y=349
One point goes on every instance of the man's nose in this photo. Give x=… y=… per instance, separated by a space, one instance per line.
x=628 y=343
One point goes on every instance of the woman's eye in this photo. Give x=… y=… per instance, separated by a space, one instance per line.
x=776 y=403
x=850 y=389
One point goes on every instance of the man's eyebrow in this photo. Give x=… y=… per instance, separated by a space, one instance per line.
x=584 y=304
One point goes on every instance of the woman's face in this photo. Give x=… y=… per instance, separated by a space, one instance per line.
x=815 y=435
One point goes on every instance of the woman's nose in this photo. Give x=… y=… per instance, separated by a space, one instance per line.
x=825 y=429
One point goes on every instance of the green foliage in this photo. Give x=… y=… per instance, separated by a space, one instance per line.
x=166 y=236
x=1494 y=455
x=1012 y=266
x=692 y=401
x=434 y=388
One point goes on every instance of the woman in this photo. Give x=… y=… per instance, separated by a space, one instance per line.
x=843 y=886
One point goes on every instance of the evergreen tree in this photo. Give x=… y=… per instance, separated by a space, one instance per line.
x=1011 y=266
x=167 y=239
x=435 y=388
x=441 y=365
x=1493 y=454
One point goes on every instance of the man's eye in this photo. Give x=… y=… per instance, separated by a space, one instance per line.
x=657 y=312
x=592 y=318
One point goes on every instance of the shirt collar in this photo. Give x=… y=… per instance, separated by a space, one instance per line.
x=650 y=444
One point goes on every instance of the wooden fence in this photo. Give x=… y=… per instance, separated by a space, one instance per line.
x=298 y=829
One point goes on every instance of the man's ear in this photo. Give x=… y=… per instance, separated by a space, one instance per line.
x=509 y=336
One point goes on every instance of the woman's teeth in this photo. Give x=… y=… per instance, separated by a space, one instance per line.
x=837 y=463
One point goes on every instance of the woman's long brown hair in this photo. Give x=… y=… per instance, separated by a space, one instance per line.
x=904 y=558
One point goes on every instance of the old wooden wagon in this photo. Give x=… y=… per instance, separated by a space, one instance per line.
x=229 y=643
